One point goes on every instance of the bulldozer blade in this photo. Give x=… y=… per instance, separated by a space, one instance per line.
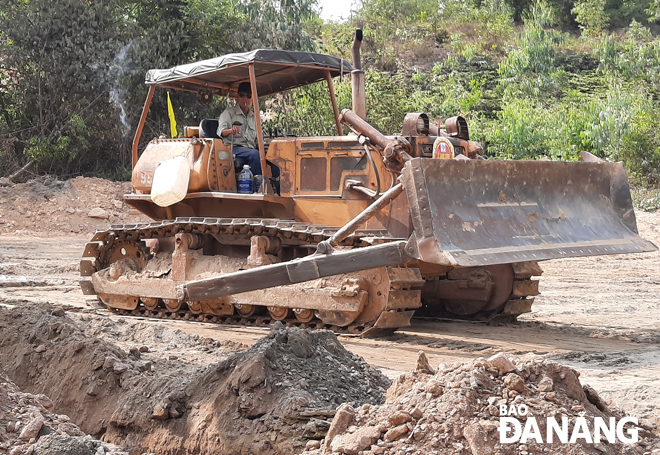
x=475 y=213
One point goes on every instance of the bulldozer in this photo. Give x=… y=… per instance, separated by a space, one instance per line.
x=360 y=232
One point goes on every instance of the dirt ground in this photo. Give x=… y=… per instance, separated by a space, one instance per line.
x=599 y=316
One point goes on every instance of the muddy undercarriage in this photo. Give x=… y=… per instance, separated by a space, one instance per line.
x=136 y=270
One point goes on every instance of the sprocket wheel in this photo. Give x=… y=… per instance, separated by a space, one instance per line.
x=135 y=252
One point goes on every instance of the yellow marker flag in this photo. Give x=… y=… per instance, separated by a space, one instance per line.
x=170 y=113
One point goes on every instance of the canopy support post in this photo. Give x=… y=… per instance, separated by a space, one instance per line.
x=331 y=87
x=265 y=171
x=143 y=118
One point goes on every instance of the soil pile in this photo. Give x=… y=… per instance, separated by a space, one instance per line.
x=269 y=399
x=79 y=205
x=158 y=343
x=29 y=426
x=456 y=410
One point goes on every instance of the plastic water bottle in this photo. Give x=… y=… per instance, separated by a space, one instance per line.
x=246 y=181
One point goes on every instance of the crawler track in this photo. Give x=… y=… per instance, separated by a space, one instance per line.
x=106 y=246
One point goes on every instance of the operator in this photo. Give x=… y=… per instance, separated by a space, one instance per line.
x=243 y=138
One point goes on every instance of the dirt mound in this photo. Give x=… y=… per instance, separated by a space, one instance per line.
x=82 y=204
x=269 y=399
x=29 y=426
x=157 y=342
x=457 y=410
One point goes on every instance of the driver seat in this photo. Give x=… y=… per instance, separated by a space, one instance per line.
x=208 y=128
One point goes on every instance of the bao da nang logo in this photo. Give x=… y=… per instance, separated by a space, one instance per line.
x=517 y=425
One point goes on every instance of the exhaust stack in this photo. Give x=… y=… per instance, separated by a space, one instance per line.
x=357 y=78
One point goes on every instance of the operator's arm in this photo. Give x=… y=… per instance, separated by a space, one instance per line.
x=225 y=124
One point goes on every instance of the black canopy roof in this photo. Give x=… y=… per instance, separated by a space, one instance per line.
x=275 y=71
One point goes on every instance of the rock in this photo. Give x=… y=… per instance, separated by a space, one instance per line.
x=44 y=401
x=546 y=384
x=161 y=412
x=488 y=426
x=134 y=352
x=395 y=433
x=352 y=443
x=109 y=363
x=119 y=368
x=313 y=444
x=399 y=386
x=56 y=444
x=480 y=362
x=40 y=348
x=569 y=383
x=93 y=390
x=434 y=388
x=343 y=419
x=58 y=312
x=423 y=364
x=97 y=362
x=70 y=429
x=144 y=348
x=593 y=397
x=143 y=365
x=501 y=363
x=98 y=212
x=32 y=429
x=398 y=418
x=514 y=382
x=477 y=439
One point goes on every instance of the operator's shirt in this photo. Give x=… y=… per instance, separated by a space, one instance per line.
x=248 y=136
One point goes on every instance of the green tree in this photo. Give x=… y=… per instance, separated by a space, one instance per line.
x=278 y=24
x=530 y=68
x=52 y=48
x=591 y=16
x=72 y=71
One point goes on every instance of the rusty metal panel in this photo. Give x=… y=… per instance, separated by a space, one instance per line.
x=87 y=287
x=394 y=319
x=401 y=300
x=87 y=267
x=91 y=250
x=522 y=270
x=313 y=174
x=525 y=288
x=471 y=213
x=518 y=306
x=401 y=277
